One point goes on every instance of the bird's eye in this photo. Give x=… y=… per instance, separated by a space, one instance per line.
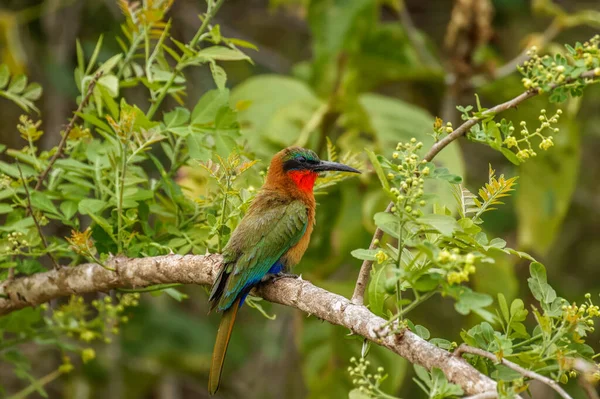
x=301 y=159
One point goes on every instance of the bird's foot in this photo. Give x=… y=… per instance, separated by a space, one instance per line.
x=281 y=275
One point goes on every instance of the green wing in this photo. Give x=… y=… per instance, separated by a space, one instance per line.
x=262 y=237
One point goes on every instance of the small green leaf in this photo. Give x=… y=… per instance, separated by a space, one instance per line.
x=377 y=292
x=219 y=75
x=68 y=208
x=469 y=300
x=5 y=208
x=178 y=117
x=91 y=206
x=175 y=294
x=221 y=53
x=364 y=254
x=208 y=106
x=378 y=169
x=33 y=92
x=422 y=332
x=503 y=307
x=42 y=202
x=17 y=84
x=4 y=75
x=538 y=284
x=387 y=222
x=110 y=83
x=442 y=223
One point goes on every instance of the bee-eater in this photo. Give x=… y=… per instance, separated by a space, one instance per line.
x=270 y=239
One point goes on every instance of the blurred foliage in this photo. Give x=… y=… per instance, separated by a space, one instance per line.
x=172 y=145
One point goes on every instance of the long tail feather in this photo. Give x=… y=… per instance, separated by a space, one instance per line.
x=221 y=343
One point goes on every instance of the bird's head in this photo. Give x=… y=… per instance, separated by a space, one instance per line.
x=302 y=167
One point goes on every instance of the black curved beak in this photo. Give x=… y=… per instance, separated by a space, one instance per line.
x=324 y=166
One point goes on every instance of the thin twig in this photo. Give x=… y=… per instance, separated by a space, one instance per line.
x=464 y=348
x=30 y=211
x=365 y=269
x=511 y=66
x=63 y=141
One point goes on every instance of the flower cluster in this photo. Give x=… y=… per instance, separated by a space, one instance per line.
x=407 y=174
x=368 y=384
x=439 y=128
x=523 y=145
x=582 y=314
x=543 y=72
x=82 y=243
x=29 y=129
x=71 y=318
x=461 y=266
x=16 y=240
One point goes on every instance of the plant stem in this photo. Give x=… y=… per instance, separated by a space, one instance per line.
x=528 y=341
x=37 y=384
x=151 y=288
x=70 y=126
x=210 y=13
x=120 y=183
x=223 y=209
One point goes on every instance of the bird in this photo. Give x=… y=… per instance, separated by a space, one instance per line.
x=271 y=238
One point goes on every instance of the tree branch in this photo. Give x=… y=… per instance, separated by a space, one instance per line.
x=511 y=66
x=365 y=269
x=63 y=141
x=464 y=348
x=196 y=269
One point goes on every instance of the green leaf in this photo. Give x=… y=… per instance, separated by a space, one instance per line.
x=178 y=117
x=517 y=310
x=220 y=53
x=197 y=147
x=378 y=168
x=388 y=222
x=175 y=294
x=446 y=225
x=68 y=208
x=219 y=75
x=17 y=84
x=469 y=300
x=33 y=92
x=538 y=284
x=377 y=292
x=207 y=107
x=504 y=307
x=422 y=332
x=110 y=83
x=511 y=156
x=4 y=75
x=91 y=206
x=5 y=208
x=109 y=65
x=363 y=254
x=41 y=201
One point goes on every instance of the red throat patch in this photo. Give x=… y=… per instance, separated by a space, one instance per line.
x=304 y=179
